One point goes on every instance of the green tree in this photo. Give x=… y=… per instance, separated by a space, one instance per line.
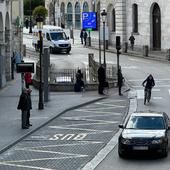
x=34 y=4
x=40 y=10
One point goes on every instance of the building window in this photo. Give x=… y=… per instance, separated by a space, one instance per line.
x=85 y=7
x=113 y=21
x=135 y=18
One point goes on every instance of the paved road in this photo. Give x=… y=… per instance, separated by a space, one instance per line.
x=70 y=141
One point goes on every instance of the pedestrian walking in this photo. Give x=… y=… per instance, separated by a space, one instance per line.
x=28 y=79
x=120 y=81
x=132 y=41
x=26 y=23
x=23 y=105
x=101 y=79
x=85 y=37
x=29 y=107
x=81 y=35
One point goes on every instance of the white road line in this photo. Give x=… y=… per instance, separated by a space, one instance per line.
x=157 y=86
x=95 y=115
x=83 y=129
x=103 y=153
x=102 y=123
x=83 y=110
x=25 y=166
x=71 y=144
x=169 y=91
x=42 y=159
x=91 y=120
x=157 y=98
x=47 y=151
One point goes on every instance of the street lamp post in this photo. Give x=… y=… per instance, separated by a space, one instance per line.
x=104 y=15
x=39 y=21
x=54 y=12
x=30 y=30
x=118 y=47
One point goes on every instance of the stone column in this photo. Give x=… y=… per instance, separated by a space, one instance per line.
x=121 y=20
x=8 y=55
x=2 y=60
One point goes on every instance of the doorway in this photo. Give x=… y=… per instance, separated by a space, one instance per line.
x=156 y=27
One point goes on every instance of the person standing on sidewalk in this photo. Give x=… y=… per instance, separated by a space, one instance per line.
x=132 y=41
x=81 y=36
x=29 y=107
x=23 y=105
x=85 y=37
x=120 y=81
x=101 y=79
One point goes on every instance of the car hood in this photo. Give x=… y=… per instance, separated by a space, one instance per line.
x=136 y=133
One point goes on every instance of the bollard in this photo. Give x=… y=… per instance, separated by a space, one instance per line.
x=24 y=50
x=89 y=41
x=107 y=44
x=125 y=47
x=168 y=55
x=145 y=50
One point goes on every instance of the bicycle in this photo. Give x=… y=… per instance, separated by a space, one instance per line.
x=147 y=94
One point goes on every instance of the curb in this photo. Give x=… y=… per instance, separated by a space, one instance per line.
x=151 y=57
x=37 y=128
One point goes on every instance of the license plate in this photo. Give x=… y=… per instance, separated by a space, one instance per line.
x=63 y=50
x=142 y=148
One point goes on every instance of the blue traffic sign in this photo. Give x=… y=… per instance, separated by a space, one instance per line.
x=89 y=20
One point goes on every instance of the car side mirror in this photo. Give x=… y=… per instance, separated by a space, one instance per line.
x=121 y=126
x=68 y=38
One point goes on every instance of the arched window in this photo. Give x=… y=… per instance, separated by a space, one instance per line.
x=135 y=18
x=69 y=15
x=77 y=15
x=85 y=7
x=113 y=20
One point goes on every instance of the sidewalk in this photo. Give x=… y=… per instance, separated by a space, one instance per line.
x=10 y=117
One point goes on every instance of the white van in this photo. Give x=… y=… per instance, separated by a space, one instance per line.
x=53 y=37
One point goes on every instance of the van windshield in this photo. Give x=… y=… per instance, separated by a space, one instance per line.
x=58 y=36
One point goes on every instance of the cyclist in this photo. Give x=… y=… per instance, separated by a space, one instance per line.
x=148 y=83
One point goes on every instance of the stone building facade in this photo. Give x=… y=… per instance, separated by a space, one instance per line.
x=10 y=35
x=147 y=20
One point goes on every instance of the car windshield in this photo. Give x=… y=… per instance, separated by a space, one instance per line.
x=145 y=122
x=58 y=36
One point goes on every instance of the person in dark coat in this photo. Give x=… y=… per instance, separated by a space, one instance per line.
x=81 y=36
x=29 y=107
x=79 y=81
x=132 y=41
x=101 y=79
x=120 y=81
x=23 y=105
x=149 y=83
x=85 y=37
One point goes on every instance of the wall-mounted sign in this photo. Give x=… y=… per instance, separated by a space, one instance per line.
x=25 y=67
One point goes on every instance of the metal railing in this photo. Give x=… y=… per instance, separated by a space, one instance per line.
x=69 y=75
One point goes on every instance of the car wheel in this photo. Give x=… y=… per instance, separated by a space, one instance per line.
x=165 y=152
x=121 y=154
x=68 y=51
